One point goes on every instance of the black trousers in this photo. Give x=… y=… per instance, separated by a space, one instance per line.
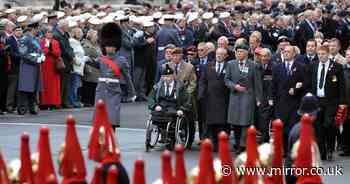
x=87 y=93
x=202 y=126
x=345 y=136
x=325 y=127
x=214 y=130
x=65 y=87
x=264 y=115
x=3 y=91
x=11 y=91
x=26 y=100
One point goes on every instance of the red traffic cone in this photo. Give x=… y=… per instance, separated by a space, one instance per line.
x=180 y=169
x=102 y=141
x=226 y=159
x=277 y=161
x=3 y=171
x=304 y=152
x=98 y=176
x=112 y=177
x=167 y=172
x=206 y=173
x=139 y=172
x=25 y=172
x=252 y=155
x=73 y=164
x=46 y=172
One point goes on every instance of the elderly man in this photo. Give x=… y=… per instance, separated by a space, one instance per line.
x=67 y=54
x=305 y=30
x=185 y=73
x=213 y=91
x=265 y=111
x=244 y=81
x=288 y=87
x=224 y=43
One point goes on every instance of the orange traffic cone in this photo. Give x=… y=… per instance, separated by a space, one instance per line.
x=102 y=143
x=226 y=159
x=206 y=167
x=73 y=165
x=139 y=172
x=304 y=153
x=167 y=172
x=180 y=169
x=252 y=155
x=46 y=172
x=3 y=171
x=25 y=172
x=112 y=177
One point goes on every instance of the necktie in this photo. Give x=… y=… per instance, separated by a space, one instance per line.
x=288 y=68
x=217 y=67
x=320 y=85
x=240 y=65
x=176 y=68
x=167 y=90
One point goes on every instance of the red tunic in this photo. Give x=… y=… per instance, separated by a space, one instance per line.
x=51 y=93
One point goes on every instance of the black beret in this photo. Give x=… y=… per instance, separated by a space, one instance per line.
x=242 y=46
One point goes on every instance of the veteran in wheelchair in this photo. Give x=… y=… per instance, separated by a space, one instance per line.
x=170 y=110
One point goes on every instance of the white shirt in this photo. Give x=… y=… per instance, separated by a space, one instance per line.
x=320 y=92
x=171 y=85
x=219 y=67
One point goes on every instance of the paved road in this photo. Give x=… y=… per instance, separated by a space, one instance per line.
x=130 y=138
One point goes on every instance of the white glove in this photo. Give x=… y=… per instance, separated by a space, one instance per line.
x=180 y=113
x=158 y=108
x=138 y=34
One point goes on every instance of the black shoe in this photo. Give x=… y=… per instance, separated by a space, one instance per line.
x=330 y=156
x=33 y=112
x=67 y=106
x=344 y=154
x=21 y=110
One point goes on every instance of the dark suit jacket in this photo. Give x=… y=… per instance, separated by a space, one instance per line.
x=281 y=84
x=334 y=83
x=14 y=54
x=303 y=33
x=67 y=52
x=214 y=93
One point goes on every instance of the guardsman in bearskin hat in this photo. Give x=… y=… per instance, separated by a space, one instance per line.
x=113 y=68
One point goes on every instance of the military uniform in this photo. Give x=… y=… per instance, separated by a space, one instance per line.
x=29 y=81
x=108 y=87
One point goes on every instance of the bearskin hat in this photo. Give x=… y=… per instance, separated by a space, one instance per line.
x=110 y=35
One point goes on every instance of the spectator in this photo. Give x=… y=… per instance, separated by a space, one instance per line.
x=50 y=96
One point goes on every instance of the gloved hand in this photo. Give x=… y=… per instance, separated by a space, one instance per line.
x=180 y=113
x=158 y=108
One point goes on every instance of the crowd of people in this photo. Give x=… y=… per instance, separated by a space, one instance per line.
x=242 y=63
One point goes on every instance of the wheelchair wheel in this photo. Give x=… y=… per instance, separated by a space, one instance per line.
x=152 y=135
x=184 y=133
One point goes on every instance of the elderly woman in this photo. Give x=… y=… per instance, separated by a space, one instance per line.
x=91 y=71
x=78 y=66
x=50 y=96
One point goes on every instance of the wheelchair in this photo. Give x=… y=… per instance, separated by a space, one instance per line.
x=169 y=129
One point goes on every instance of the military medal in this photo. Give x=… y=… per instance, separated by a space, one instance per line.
x=334 y=79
